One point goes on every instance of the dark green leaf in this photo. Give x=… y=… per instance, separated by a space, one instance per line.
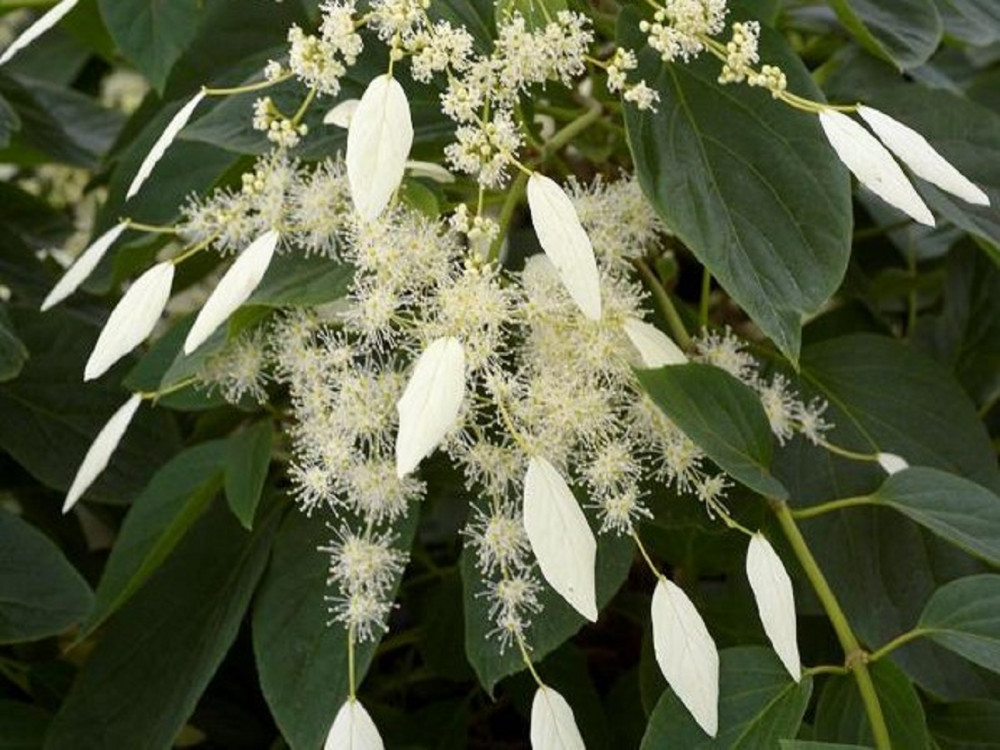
x=50 y=417
x=178 y=494
x=41 y=594
x=722 y=416
x=13 y=353
x=24 y=726
x=39 y=226
x=973 y=21
x=292 y=280
x=749 y=185
x=152 y=34
x=810 y=745
x=158 y=653
x=247 y=462
x=557 y=623
x=904 y=32
x=963 y=512
x=964 y=617
x=840 y=714
x=10 y=123
x=301 y=656
x=969 y=725
x=759 y=705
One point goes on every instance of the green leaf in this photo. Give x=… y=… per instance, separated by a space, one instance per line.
x=292 y=280
x=973 y=21
x=13 y=352
x=964 y=617
x=159 y=652
x=556 y=624
x=748 y=184
x=722 y=416
x=759 y=704
x=50 y=416
x=967 y=725
x=24 y=725
x=301 y=656
x=174 y=500
x=10 y=123
x=963 y=512
x=247 y=463
x=41 y=594
x=152 y=34
x=904 y=32
x=809 y=745
x=840 y=713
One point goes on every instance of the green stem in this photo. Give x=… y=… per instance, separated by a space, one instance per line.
x=514 y=196
x=665 y=304
x=856 y=658
x=706 y=291
x=899 y=640
x=573 y=129
x=351 y=688
x=824 y=508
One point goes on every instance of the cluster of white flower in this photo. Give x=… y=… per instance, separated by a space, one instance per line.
x=680 y=28
x=321 y=61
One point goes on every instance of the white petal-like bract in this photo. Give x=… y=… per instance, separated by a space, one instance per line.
x=655 y=348
x=565 y=242
x=873 y=165
x=891 y=463
x=341 y=114
x=686 y=654
x=560 y=537
x=378 y=142
x=552 y=724
x=53 y=16
x=100 y=451
x=175 y=126
x=233 y=289
x=83 y=266
x=921 y=157
x=132 y=320
x=430 y=170
x=353 y=729
x=430 y=404
x=772 y=589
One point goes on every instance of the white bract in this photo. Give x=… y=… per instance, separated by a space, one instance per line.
x=873 y=165
x=342 y=113
x=175 y=126
x=916 y=153
x=565 y=242
x=655 y=348
x=560 y=537
x=379 y=138
x=429 y=406
x=353 y=729
x=772 y=590
x=132 y=320
x=100 y=451
x=552 y=724
x=233 y=289
x=39 y=27
x=83 y=266
x=686 y=654
x=891 y=463
x=430 y=170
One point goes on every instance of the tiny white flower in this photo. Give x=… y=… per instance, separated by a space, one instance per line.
x=565 y=242
x=891 y=463
x=655 y=348
x=686 y=654
x=560 y=537
x=233 y=289
x=916 y=153
x=379 y=138
x=772 y=590
x=100 y=451
x=53 y=16
x=353 y=729
x=552 y=724
x=430 y=404
x=341 y=114
x=175 y=126
x=132 y=320
x=873 y=165
x=83 y=266
x=430 y=170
